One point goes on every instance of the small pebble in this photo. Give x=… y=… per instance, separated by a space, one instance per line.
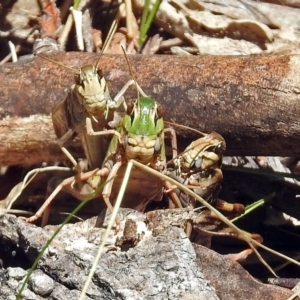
x=28 y=295
x=41 y=283
x=16 y=273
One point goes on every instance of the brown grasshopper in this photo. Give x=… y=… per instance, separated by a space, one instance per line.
x=88 y=102
x=199 y=168
x=88 y=98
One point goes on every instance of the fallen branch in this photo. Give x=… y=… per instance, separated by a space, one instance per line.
x=253 y=101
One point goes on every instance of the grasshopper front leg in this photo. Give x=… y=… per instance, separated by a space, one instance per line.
x=66 y=184
x=109 y=184
x=91 y=180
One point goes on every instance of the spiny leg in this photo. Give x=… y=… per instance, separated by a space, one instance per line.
x=235 y=208
x=208 y=223
x=61 y=142
x=90 y=129
x=66 y=182
x=108 y=188
x=119 y=99
x=173 y=141
x=170 y=189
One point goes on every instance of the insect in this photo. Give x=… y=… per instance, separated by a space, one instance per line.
x=199 y=168
x=88 y=98
x=141 y=138
x=88 y=102
x=139 y=135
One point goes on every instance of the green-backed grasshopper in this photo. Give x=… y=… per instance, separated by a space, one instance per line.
x=198 y=167
x=141 y=138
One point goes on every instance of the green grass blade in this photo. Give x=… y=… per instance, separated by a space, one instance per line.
x=76 y=4
x=147 y=18
x=254 y=206
x=145 y=14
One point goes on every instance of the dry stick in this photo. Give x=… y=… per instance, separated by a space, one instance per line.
x=10 y=56
x=252 y=101
x=296 y=294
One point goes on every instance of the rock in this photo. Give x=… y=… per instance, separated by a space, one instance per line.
x=16 y=273
x=41 y=283
x=153 y=264
x=231 y=281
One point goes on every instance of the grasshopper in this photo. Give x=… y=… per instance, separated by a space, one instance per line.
x=88 y=101
x=141 y=138
x=88 y=98
x=199 y=168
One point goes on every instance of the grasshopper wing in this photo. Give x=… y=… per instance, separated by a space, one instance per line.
x=62 y=123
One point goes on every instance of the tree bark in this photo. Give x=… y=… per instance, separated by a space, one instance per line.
x=253 y=101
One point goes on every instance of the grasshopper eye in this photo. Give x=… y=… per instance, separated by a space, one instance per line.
x=218 y=149
x=197 y=162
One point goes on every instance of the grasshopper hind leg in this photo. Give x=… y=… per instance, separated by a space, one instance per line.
x=108 y=188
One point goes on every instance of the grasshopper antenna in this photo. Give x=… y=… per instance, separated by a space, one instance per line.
x=131 y=72
x=184 y=127
x=107 y=41
x=57 y=63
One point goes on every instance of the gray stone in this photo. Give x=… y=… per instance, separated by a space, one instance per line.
x=146 y=262
x=41 y=283
x=16 y=273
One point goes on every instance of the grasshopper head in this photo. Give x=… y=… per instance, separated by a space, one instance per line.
x=87 y=75
x=92 y=88
x=143 y=125
x=204 y=153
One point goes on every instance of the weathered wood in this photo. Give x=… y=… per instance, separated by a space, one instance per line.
x=253 y=101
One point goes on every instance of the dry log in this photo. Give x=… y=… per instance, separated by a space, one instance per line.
x=253 y=101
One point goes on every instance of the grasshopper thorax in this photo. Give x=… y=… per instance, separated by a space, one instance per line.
x=144 y=117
